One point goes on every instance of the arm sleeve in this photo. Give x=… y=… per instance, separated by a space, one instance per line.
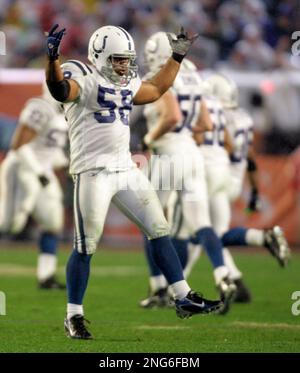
x=75 y=70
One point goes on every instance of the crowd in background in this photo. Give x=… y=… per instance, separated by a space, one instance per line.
x=230 y=29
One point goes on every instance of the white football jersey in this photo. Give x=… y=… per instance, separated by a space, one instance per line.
x=187 y=89
x=240 y=127
x=213 y=148
x=51 y=127
x=98 y=120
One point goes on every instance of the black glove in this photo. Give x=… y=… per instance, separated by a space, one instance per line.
x=181 y=45
x=53 y=42
x=44 y=180
x=254 y=204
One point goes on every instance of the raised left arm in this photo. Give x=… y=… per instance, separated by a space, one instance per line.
x=154 y=88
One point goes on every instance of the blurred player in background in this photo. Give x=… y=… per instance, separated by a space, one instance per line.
x=228 y=154
x=170 y=122
x=29 y=186
x=98 y=99
x=239 y=125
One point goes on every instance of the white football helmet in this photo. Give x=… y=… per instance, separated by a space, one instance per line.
x=111 y=42
x=222 y=87
x=157 y=51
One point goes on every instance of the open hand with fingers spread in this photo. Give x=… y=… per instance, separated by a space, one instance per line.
x=181 y=45
x=53 y=41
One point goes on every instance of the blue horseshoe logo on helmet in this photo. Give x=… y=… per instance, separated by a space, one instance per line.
x=103 y=45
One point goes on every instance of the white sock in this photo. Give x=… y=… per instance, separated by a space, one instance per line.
x=74 y=309
x=194 y=252
x=46 y=266
x=158 y=282
x=220 y=273
x=234 y=272
x=180 y=289
x=255 y=237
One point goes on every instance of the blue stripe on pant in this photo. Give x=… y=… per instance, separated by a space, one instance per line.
x=80 y=245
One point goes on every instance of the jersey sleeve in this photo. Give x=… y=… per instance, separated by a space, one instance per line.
x=35 y=115
x=77 y=71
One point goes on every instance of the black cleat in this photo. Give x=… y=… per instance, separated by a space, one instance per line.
x=51 y=283
x=277 y=245
x=243 y=294
x=159 y=299
x=193 y=304
x=228 y=291
x=75 y=328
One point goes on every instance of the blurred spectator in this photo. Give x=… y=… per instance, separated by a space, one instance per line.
x=230 y=29
x=252 y=52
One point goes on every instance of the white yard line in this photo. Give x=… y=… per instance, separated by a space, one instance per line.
x=162 y=327
x=242 y=324
x=116 y=271
x=264 y=325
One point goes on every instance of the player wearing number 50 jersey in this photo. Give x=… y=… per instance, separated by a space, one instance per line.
x=97 y=101
x=29 y=186
x=171 y=121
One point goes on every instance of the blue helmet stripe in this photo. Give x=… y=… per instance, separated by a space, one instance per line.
x=127 y=36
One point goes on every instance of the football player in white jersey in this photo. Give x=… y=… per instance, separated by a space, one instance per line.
x=170 y=122
x=29 y=186
x=97 y=101
x=240 y=128
x=232 y=127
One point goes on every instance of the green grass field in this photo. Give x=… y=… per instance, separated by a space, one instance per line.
x=34 y=320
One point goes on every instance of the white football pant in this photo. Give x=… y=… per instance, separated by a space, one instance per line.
x=129 y=190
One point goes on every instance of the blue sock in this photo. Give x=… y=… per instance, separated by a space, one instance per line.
x=154 y=269
x=181 y=247
x=78 y=271
x=235 y=237
x=166 y=259
x=212 y=245
x=48 y=243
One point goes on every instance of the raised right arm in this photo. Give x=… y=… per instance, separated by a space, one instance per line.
x=61 y=89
